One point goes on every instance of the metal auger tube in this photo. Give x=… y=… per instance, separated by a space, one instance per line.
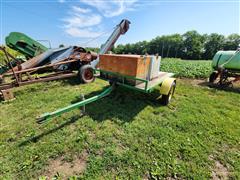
x=47 y=116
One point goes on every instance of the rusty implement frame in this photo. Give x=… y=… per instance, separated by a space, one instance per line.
x=19 y=81
x=23 y=76
x=53 y=76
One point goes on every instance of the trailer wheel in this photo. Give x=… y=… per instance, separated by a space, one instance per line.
x=86 y=74
x=167 y=98
x=213 y=77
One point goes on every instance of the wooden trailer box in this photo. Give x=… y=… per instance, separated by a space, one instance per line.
x=130 y=65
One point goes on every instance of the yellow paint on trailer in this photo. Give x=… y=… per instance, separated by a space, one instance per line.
x=166 y=85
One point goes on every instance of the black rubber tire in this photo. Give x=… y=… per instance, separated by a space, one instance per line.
x=213 y=77
x=86 y=74
x=167 y=98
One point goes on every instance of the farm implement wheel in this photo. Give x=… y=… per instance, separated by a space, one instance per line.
x=224 y=80
x=167 y=98
x=213 y=77
x=86 y=74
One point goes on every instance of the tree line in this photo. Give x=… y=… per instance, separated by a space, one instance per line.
x=190 y=45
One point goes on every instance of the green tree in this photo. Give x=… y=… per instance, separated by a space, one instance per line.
x=193 y=45
x=174 y=45
x=93 y=49
x=190 y=45
x=119 y=49
x=232 y=42
x=213 y=44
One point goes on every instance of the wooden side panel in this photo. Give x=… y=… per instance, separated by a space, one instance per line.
x=131 y=65
x=143 y=67
x=119 y=64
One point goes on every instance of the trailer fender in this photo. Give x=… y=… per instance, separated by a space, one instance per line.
x=166 y=85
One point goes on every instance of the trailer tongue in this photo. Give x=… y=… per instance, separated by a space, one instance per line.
x=47 y=116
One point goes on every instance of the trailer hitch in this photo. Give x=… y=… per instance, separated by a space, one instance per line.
x=47 y=116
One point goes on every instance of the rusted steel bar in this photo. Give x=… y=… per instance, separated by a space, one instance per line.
x=43 y=79
x=41 y=67
x=11 y=56
x=50 y=77
x=7 y=86
x=4 y=50
x=83 y=57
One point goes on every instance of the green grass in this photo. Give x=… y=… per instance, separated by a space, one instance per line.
x=9 y=50
x=187 y=68
x=128 y=135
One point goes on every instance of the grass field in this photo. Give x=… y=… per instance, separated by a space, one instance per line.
x=127 y=135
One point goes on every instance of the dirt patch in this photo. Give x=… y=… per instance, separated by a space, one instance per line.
x=146 y=177
x=196 y=82
x=59 y=167
x=235 y=87
x=219 y=171
x=199 y=82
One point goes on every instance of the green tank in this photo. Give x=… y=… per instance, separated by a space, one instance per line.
x=227 y=59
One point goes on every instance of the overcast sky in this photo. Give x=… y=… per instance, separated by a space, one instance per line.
x=76 y=22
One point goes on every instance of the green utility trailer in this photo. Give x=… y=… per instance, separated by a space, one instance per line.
x=165 y=80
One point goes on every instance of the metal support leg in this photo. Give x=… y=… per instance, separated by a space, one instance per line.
x=83 y=108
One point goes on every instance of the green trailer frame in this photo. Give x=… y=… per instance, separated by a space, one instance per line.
x=146 y=86
x=165 y=80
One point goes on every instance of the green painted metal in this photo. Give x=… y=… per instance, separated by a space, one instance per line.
x=227 y=59
x=3 y=68
x=24 y=44
x=147 y=87
x=160 y=81
x=47 y=116
x=131 y=87
x=123 y=77
x=120 y=75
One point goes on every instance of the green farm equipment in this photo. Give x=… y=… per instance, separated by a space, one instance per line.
x=226 y=65
x=145 y=85
x=24 y=44
x=9 y=62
